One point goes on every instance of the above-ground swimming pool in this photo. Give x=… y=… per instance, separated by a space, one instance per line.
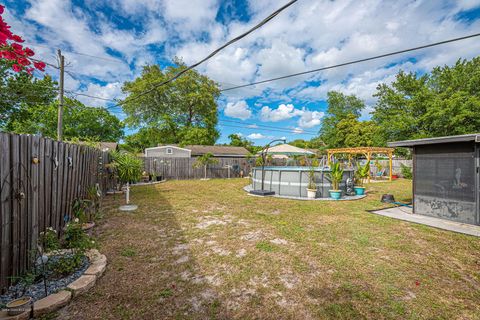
x=293 y=181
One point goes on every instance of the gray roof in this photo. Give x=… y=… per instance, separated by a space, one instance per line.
x=449 y=139
x=218 y=151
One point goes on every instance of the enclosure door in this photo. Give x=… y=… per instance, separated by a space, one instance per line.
x=477 y=165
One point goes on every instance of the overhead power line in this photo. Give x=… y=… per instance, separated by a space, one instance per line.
x=270 y=130
x=325 y=68
x=265 y=126
x=81 y=54
x=243 y=35
x=352 y=62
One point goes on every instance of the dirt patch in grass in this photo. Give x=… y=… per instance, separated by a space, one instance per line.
x=191 y=252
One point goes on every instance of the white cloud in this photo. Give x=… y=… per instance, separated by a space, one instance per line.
x=239 y=110
x=283 y=112
x=109 y=91
x=256 y=136
x=297 y=130
x=309 y=34
x=252 y=126
x=310 y=119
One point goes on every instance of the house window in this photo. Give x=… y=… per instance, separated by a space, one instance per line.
x=169 y=151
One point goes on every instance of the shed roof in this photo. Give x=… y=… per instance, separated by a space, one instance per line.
x=217 y=150
x=449 y=139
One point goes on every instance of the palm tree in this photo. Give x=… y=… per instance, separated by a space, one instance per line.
x=204 y=161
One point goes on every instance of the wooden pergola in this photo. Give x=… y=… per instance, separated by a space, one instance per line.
x=367 y=151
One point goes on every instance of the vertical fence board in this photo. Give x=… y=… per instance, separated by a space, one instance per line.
x=35 y=195
x=33 y=198
x=5 y=209
x=15 y=178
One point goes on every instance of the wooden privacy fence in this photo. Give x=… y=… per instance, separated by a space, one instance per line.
x=184 y=168
x=39 y=180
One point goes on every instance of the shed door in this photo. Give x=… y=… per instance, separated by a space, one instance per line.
x=445 y=182
x=477 y=160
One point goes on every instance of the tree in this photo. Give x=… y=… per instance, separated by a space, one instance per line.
x=185 y=110
x=21 y=91
x=350 y=132
x=145 y=138
x=204 y=161
x=79 y=121
x=444 y=102
x=314 y=143
x=339 y=107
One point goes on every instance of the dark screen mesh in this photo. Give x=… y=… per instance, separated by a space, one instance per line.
x=446 y=171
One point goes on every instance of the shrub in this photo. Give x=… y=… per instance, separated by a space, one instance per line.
x=335 y=175
x=65 y=264
x=49 y=240
x=76 y=239
x=406 y=171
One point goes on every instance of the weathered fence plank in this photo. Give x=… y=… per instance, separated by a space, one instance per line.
x=39 y=180
x=184 y=168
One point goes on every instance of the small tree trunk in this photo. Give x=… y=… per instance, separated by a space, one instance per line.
x=128 y=193
x=205 y=169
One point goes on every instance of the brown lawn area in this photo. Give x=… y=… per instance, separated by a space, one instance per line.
x=207 y=250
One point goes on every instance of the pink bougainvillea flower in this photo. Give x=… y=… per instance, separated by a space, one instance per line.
x=16 y=38
x=29 y=52
x=3 y=36
x=16 y=46
x=417 y=283
x=39 y=65
x=17 y=68
x=2 y=8
x=9 y=55
x=30 y=70
x=18 y=49
x=23 y=61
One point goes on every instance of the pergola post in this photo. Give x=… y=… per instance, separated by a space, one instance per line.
x=369 y=156
x=390 y=155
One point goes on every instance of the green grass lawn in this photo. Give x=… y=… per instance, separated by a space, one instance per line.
x=207 y=250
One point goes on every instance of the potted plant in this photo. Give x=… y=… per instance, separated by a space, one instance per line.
x=312 y=187
x=204 y=161
x=361 y=174
x=336 y=176
x=129 y=169
x=158 y=176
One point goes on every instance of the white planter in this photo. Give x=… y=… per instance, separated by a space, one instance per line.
x=311 y=193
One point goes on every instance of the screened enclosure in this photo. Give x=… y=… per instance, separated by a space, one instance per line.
x=445 y=177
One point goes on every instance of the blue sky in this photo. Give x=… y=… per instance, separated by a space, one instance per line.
x=124 y=35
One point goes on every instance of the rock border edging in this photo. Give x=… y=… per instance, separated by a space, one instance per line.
x=55 y=301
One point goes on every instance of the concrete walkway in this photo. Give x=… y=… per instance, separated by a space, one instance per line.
x=404 y=213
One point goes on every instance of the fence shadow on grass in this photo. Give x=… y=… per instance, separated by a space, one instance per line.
x=152 y=272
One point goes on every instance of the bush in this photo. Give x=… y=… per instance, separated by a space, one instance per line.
x=49 y=240
x=65 y=265
x=406 y=171
x=129 y=168
x=76 y=239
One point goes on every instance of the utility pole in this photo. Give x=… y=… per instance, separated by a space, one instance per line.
x=60 y=97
